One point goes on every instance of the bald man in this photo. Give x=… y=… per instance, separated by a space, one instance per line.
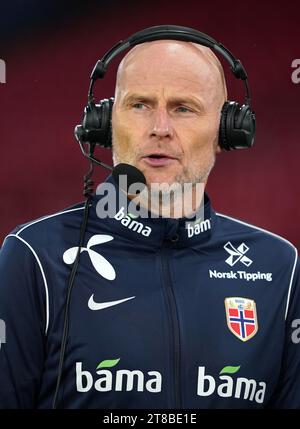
x=167 y=312
x=166 y=123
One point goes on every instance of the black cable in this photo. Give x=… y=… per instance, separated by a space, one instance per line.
x=88 y=189
x=88 y=182
x=91 y=157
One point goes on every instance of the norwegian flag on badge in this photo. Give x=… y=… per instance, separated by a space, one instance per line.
x=241 y=317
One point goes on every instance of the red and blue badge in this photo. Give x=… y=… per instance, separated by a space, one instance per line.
x=241 y=317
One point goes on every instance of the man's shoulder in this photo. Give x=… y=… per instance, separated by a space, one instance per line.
x=241 y=228
x=45 y=227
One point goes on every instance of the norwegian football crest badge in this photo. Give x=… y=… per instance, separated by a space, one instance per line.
x=241 y=317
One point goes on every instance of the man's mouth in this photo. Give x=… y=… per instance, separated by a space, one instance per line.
x=158 y=159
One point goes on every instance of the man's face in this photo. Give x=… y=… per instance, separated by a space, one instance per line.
x=167 y=112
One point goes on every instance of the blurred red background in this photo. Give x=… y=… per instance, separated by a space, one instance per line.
x=50 y=49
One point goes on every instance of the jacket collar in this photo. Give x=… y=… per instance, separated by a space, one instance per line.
x=153 y=231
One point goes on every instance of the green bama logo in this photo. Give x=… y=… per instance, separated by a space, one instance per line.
x=107 y=378
x=228 y=385
x=129 y=221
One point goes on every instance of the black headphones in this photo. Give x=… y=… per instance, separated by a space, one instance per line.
x=237 y=124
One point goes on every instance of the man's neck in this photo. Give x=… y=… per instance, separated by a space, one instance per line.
x=184 y=201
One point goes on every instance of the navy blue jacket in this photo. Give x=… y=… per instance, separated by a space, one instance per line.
x=161 y=316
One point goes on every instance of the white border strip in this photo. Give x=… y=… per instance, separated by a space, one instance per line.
x=43 y=275
x=36 y=256
x=48 y=217
x=290 y=286
x=279 y=237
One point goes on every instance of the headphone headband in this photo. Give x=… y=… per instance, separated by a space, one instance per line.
x=170 y=32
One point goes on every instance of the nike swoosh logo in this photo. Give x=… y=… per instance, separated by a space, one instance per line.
x=101 y=305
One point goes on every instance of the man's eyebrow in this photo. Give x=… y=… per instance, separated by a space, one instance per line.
x=191 y=101
x=173 y=101
x=134 y=97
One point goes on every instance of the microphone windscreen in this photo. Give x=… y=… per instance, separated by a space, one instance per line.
x=133 y=175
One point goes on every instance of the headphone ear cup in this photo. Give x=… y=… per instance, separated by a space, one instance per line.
x=90 y=117
x=96 y=125
x=104 y=112
x=108 y=123
x=237 y=126
x=222 y=130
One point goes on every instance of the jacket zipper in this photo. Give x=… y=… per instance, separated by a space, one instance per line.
x=172 y=311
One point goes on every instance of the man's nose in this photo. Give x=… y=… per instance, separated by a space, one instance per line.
x=161 y=126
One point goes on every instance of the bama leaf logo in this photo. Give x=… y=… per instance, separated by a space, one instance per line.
x=101 y=264
x=106 y=379
x=229 y=370
x=227 y=385
x=132 y=216
x=108 y=363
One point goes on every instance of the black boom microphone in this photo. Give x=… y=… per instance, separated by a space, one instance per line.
x=133 y=175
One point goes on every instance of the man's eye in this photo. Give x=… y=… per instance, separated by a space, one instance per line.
x=183 y=109
x=139 y=106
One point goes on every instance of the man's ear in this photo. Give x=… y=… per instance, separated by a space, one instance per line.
x=218 y=149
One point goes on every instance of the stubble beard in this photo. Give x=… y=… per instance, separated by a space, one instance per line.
x=165 y=199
